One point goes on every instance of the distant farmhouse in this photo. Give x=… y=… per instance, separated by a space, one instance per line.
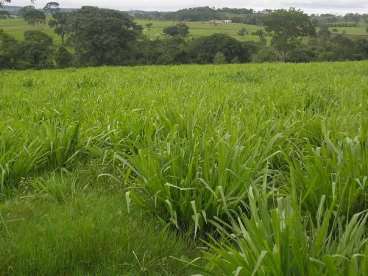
x=217 y=22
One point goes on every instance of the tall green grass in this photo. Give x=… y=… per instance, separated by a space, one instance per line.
x=278 y=239
x=269 y=160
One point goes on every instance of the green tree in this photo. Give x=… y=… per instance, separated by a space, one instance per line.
x=4 y=14
x=52 y=7
x=36 y=50
x=8 y=51
x=219 y=58
x=324 y=31
x=33 y=16
x=287 y=27
x=204 y=49
x=242 y=32
x=63 y=57
x=262 y=36
x=25 y=9
x=59 y=22
x=102 y=37
x=180 y=29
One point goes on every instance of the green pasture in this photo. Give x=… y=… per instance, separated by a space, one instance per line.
x=257 y=169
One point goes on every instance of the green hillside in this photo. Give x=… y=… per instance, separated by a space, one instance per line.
x=16 y=27
x=198 y=29
x=182 y=170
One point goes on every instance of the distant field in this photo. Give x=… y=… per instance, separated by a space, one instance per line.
x=198 y=29
x=353 y=31
x=17 y=27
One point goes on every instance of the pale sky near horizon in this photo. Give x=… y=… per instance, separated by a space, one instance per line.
x=310 y=6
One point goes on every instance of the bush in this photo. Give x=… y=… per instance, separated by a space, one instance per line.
x=36 y=51
x=265 y=54
x=242 y=32
x=8 y=51
x=204 y=49
x=280 y=241
x=219 y=58
x=180 y=29
x=63 y=58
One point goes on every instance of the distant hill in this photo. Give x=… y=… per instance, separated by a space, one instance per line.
x=13 y=10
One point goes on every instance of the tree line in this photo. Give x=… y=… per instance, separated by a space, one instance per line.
x=94 y=37
x=247 y=16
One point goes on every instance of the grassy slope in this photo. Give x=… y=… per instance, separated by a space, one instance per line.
x=359 y=31
x=198 y=29
x=186 y=143
x=17 y=27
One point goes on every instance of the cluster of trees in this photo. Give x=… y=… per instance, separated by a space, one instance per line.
x=4 y=14
x=32 y=15
x=247 y=16
x=347 y=20
x=93 y=37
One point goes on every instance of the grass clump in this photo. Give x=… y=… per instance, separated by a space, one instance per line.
x=276 y=239
x=89 y=234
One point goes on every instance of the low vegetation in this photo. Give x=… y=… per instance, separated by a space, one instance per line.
x=180 y=170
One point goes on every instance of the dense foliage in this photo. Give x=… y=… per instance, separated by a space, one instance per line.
x=92 y=37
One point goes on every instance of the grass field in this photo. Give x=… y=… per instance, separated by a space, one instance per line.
x=360 y=30
x=197 y=29
x=181 y=170
x=17 y=27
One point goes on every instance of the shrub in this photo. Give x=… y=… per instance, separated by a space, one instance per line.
x=63 y=58
x=279 y=240
x=219 y=58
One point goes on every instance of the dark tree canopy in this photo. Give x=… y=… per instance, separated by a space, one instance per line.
x=33 y=16
x=63 y=58
x=8 y=50
x=93 y=37
x=286 y=27
x=102 y=36
x=4 y=14
x=60 y=23
x=180 y=29
x=289 y=23
x=204 y=50
x=36 y=50
x=52 y=7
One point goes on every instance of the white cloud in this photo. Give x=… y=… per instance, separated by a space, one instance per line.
x=338 y=6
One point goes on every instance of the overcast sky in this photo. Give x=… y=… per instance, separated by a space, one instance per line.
x=310 y=6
